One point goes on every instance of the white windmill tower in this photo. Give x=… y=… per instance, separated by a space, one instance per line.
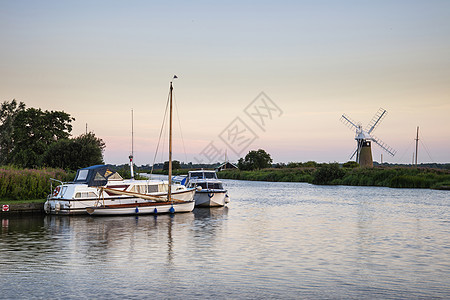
x=364 y=137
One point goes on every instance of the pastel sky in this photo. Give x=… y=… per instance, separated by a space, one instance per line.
x=314 y=61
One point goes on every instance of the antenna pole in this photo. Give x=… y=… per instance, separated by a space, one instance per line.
x=132 y=146
x=132 y=133
x=417 y=143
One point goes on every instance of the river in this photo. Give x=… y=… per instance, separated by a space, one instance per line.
x=274 y=240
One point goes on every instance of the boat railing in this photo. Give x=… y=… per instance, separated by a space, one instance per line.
x=51 y=185
x=53 y=179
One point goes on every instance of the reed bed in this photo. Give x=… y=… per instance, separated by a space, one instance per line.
x=333 y=174
x=26 y=184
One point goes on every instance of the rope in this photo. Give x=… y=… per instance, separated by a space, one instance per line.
x=407 y=149
x=160 y=133
x=426 y=149
x=181 y=131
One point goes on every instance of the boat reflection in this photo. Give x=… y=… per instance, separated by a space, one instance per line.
x=164 y=240
x=208 y=213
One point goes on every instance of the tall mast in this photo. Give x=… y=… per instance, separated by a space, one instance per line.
x=169 y=193
x=417 y=143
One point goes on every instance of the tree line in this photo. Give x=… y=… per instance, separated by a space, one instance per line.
x=33 y=138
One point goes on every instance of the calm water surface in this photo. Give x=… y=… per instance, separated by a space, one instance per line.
x=274 y=240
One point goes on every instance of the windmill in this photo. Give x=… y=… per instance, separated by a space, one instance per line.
x=364 y=137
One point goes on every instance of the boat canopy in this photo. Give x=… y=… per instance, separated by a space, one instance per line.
x=97 y=175
x=180 y=179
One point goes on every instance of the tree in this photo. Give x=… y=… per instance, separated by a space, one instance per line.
x=8 y=113
x=91 y=149
x=255 y=160
x=34 y=131
x=175 y=165
x=72 y=154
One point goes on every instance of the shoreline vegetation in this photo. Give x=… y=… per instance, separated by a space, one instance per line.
x=18 y=185
x=25 y=185
x=333 y=174
x=347 y=174
x=28 y=185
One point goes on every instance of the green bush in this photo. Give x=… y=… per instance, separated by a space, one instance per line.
x=328 y=173
x=350 y=165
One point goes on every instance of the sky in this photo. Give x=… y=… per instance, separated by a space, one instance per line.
x=272 y=75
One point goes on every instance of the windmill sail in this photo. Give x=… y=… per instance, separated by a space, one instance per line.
x=354 y=152
x=348 y=122
x=383 y=145
x=376 y=120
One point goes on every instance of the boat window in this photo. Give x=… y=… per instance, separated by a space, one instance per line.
x=85 y=195
x=64 y=189
x=82 y=175
x=99 y=177
x=141 y=189
x=211 y=175
x=153 y=188
x=196 y=175
x=207 y=185
x=115 y=176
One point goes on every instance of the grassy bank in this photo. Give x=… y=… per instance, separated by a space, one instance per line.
x=333 y=174
x=29 y=184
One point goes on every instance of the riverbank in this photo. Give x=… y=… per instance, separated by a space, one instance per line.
x=333 y=174
x=15 y=207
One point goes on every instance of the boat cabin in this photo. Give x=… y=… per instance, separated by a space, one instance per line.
x=207 y=179
x=97 y=175
x=202 y=174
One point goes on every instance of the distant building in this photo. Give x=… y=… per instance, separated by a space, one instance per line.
x=226 y=166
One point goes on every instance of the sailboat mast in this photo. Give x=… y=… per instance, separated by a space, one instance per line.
x=169 y=191
x=417 y=143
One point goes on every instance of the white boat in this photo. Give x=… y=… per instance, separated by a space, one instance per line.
x=176 y=199
x=101 y=185
x=209 y=189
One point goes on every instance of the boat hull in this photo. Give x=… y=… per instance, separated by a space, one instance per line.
x=210 y=198
x=62 y=206
x=143 y=208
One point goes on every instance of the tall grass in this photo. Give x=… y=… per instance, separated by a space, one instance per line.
x=396 y=177
x=271 y=174
x=26 y=184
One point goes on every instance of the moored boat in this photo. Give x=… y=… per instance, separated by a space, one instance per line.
x=101 y=182
x=210 y=191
